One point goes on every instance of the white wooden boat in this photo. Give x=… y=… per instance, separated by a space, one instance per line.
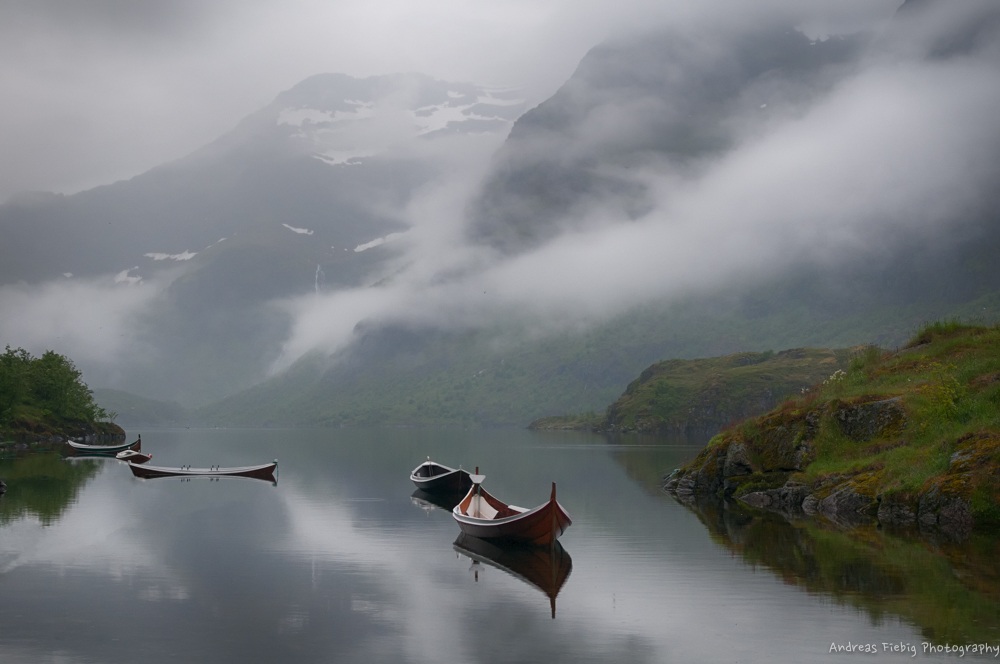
x=264 y=471
x=81 y=448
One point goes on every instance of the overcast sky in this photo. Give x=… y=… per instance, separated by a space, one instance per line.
x=99 y=90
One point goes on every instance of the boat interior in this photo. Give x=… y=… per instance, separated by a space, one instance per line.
x=479 y=504
x=430 y=469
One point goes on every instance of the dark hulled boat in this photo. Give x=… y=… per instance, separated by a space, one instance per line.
x=546 y=568
x=483 y=516
x=436 y=478
x=264 y=471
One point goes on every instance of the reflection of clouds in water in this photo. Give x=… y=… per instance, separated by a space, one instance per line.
x=430 y=597
x=100 y=535
x=98 y=525
x=159 y=592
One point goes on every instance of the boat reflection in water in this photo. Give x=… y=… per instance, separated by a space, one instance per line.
x=435 y=501
x=545 y=568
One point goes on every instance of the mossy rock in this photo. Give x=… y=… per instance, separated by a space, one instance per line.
x=745 y=484
x=870 y=417
x=971 y=484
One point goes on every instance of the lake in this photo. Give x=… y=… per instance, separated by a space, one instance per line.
x=339 y=562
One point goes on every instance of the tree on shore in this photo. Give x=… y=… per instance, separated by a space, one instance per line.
x=49 y=385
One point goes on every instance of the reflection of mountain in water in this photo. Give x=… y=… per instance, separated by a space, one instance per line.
x=42 y=485
x=543 y=567
x=950 y=591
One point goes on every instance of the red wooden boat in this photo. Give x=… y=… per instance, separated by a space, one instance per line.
x=483 y=516
x=133 y=456
x=264 y=471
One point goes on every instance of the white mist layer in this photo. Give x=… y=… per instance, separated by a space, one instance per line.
x=92 y=321
x=898 y=149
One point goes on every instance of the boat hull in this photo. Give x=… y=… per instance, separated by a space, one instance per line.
x=133 y=456
x=541 y=526
x=261 y=472
x=451 y=481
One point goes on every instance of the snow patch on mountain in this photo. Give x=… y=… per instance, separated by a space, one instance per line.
x=440 y=116
x=183 y=256
x=344 y=157
x=379 y=241
x=297 y=117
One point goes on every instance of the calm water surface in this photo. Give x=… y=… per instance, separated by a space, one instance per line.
x=340 y=563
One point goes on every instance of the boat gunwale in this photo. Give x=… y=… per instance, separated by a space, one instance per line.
x=203 y=471
x=478 y=521
x=419 y=479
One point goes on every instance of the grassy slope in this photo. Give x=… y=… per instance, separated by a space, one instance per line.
x=948 y=380
x=704 y=395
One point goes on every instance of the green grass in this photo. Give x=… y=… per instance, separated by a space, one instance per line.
x=707 y=394
x=949 y=385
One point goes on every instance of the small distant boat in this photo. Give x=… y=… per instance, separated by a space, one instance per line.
x=265 y=471
x=483 y=516
x=545 y=568
x=81 y=448
x=133 y=456
x=435 y=478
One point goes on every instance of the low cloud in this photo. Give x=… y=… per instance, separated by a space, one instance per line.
x=94 y=322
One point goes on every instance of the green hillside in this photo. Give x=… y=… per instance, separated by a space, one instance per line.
x=503 y=377
x=699 y=397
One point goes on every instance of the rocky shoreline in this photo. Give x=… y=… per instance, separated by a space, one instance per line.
x=36 y=436
x=763 y=471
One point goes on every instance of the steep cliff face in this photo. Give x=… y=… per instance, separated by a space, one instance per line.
x=670 y=96
x=909 y=439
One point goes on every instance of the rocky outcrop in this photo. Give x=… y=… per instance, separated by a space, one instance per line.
x=874 y=419
x=757 y=466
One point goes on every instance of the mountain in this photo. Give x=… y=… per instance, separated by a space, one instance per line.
x=134 y=411
x=669 y=97
x=674 y=102
x=302 y=196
